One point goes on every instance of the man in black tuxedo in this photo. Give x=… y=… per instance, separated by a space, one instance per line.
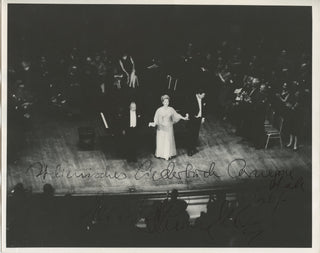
x=196 y=110
x=131 y=122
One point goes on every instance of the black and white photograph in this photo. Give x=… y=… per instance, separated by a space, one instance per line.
x=158 y=125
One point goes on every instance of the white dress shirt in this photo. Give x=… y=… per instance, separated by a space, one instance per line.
x=133 y=118
x=200 y=107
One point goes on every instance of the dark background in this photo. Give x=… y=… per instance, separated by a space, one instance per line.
x=148 y=30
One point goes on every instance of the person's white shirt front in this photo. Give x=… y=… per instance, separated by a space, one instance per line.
x=133 y=118
x=200 y=107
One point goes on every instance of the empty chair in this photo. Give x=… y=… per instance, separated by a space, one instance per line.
x=270 y=115
x=274 y=130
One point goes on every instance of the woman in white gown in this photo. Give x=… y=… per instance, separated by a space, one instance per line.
x=164 y=119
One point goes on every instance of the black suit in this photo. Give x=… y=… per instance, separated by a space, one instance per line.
x=131 y=135
x=194 y=122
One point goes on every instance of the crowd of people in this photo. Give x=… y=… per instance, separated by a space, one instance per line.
x=247 y=218
x=242 y=83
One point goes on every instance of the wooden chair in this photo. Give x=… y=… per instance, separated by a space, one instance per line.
x=268 y=123
x=274 y=131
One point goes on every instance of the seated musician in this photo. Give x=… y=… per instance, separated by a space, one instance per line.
x=244 y=112
x=117 y=79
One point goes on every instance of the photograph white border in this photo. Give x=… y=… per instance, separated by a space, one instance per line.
x=315 y=121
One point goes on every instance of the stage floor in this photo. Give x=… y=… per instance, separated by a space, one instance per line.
x=50 y=154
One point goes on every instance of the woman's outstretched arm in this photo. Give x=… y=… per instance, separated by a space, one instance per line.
x=177 y=117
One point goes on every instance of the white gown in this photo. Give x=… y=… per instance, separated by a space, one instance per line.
x=164 y=119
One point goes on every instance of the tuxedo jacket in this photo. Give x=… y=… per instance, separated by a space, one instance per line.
x=126 y=120
x=193 y=107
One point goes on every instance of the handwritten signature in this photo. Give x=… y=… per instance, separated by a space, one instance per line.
x=249 y=218
x=236 y=169
x=171 y=172
x=41 y=170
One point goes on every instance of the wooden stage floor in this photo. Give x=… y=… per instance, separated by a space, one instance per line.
x=50 y=154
